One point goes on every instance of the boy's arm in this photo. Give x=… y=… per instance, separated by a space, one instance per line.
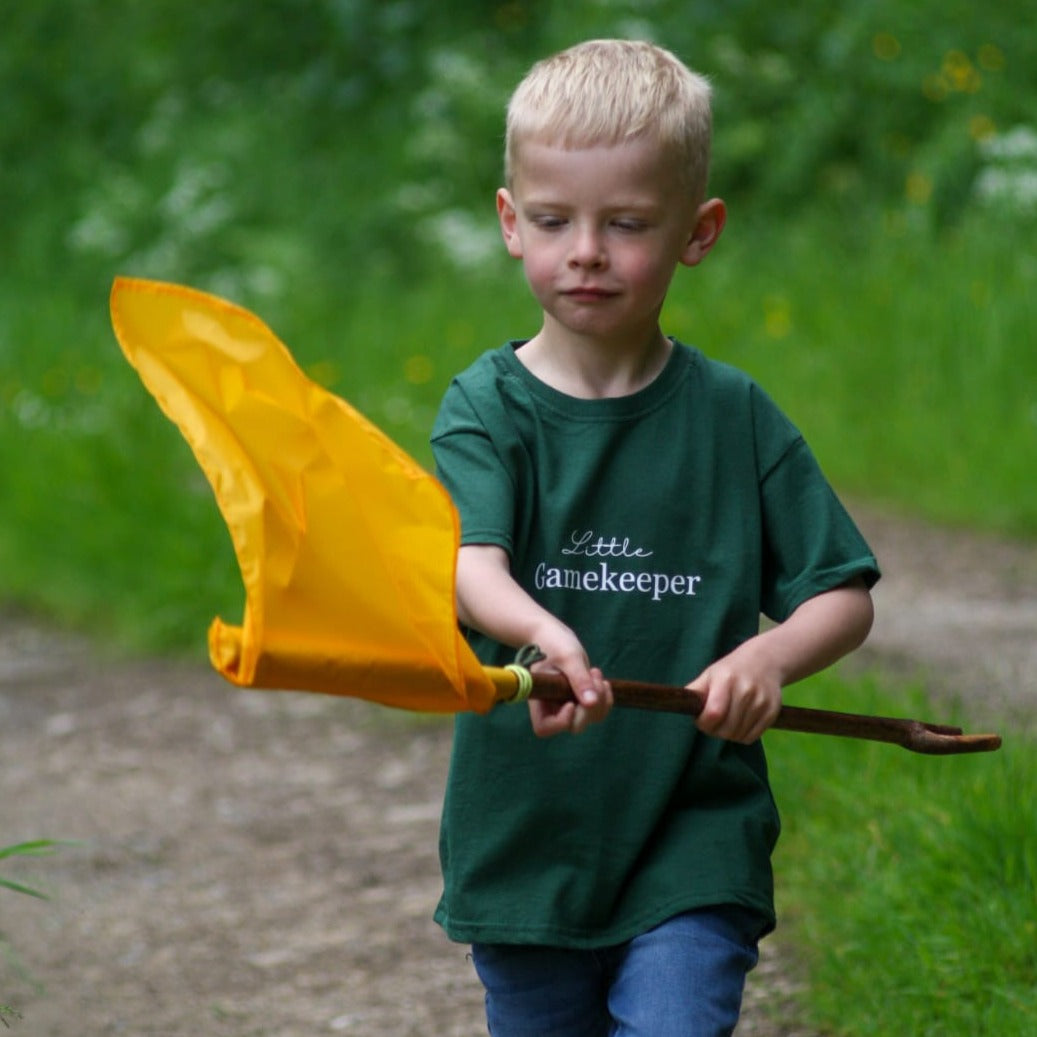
x=490 y=601
x=743 y=689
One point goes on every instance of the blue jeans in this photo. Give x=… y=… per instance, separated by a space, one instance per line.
x=682 y=979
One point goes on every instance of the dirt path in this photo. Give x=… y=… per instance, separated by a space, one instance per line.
x=960 y=611
x=260 y=864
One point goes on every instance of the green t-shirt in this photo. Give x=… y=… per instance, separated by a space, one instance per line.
x=658 y=526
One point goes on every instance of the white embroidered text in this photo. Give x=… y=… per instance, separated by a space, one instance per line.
x=603 y=579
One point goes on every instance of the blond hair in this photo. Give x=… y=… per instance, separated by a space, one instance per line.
x=605 y=92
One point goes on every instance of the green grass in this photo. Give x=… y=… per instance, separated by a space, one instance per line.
x=904 y=360
x=896 y=333
x=908 y=884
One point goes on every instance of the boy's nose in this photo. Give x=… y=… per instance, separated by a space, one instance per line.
x=588 y=249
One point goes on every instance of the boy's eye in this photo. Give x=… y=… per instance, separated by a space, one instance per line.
x=548 y=222
x=630 y=224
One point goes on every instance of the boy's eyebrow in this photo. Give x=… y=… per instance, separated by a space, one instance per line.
x=643 y=205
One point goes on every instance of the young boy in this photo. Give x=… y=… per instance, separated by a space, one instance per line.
x=628 y=502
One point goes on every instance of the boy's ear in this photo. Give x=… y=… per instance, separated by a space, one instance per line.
x=709 y=222
x=509 y=222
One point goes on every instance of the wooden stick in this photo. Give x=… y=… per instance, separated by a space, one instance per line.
x=915 y=735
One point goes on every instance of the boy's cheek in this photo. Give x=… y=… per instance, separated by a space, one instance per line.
x=539 y=278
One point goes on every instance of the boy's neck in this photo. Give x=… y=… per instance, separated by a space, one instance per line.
x=589 y=369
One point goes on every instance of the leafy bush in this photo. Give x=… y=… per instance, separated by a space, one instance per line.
x=254 y=145
x=331 y=165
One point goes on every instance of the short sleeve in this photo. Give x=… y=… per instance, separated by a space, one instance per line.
x=470 y=466
x=810 y=543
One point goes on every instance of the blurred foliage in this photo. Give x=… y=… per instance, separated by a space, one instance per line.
x=286 y=154
x=230 y=139
x=331 y=165
x=249 y=143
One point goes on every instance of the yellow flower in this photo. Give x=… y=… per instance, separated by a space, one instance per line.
x=886 y=46
x=459 y=334
x=991 y=57
x=979 y=293
x=959 y=71
x=982 y=127
x=418 y=369
x=777 y=316
x=919 y=188
x=324 y=372
x=935 y=87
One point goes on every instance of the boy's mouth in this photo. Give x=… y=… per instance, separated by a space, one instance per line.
x=588 y=293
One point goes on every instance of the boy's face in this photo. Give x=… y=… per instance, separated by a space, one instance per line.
x=600 y=232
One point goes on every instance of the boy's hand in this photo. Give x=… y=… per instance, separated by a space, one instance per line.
x=743 y=689
x=743 y=695
x=565 y=655
x=488 y=599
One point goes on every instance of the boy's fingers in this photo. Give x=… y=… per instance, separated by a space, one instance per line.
x=700 y=686
x=729 y=714
x=581 y=718
x=593 y=701
x=716 y=707
x=550 y=719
